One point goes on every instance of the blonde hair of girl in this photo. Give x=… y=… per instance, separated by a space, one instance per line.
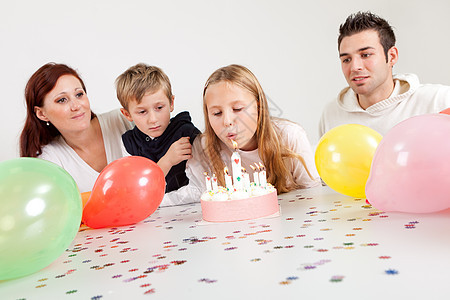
x=273 y=153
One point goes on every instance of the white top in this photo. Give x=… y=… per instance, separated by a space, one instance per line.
x=409 y=98
x=292 y=135
x=112 y=124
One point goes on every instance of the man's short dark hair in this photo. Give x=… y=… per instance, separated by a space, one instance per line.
x=361 y=21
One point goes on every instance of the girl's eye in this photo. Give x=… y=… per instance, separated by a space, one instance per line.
x=237 y=109
x=159 y=107
x=216 y=114
x=141 y=112
x=61 y=100
x=80 y=94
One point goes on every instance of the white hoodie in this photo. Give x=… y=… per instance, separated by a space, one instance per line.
x=409 y=98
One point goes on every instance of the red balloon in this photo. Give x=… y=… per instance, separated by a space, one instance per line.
x=446 y=111
x=127 y=191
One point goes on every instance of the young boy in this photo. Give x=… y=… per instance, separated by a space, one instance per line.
x=146 y=96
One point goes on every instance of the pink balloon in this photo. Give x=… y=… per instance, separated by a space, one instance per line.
x=411 y=167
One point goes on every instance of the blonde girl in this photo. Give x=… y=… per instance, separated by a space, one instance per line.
x=274 y=139
x=235 y=109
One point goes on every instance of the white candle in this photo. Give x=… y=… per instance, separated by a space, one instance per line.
x=215 y=186
x=236 y=168
x=255 y=175
x=228 y=182
x=262 y=176
x=246 y=181
x=207 y=182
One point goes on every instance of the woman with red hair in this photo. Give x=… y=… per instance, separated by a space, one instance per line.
x=60 y=126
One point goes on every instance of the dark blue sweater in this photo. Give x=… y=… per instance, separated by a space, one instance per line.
x=138 y=143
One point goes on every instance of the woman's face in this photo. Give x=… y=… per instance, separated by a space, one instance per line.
x=66 y=106
x=233 y=114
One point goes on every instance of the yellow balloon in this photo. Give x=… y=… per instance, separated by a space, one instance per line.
x=344 y=156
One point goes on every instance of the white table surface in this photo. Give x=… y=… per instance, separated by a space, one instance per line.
x=323 y=246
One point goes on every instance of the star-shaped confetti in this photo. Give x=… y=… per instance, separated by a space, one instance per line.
x=391 y=272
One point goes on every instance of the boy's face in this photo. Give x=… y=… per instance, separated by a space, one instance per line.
x=152 y=115
x=364 y=63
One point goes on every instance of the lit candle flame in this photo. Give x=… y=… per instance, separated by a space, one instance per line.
x=261 y=166
x=257 y=167
x=253 y=168
x=235 y=145
x=225 y=170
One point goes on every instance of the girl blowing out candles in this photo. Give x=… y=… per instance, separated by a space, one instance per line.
x=235 y=109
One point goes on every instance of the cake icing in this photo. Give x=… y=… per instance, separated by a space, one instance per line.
x=224 y=194
x=240 y=199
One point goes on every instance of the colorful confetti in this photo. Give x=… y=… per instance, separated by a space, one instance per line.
x=206 y=280
x=314 y=240
x=337 y=278
x=391 y=272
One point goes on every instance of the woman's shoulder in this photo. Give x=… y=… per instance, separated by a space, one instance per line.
x=55 y=151
x=111 y=116
x=57 y=143
x=114 y=119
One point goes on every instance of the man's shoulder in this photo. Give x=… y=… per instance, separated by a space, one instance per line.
x=433 y=87
x=330 y=106
x=344 y=100
x=337 y=104
x=432 y=91
x=416 y=86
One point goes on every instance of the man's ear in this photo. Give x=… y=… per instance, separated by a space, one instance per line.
x=171 y=103
x=126 y=114
x=392 y=56
x=40 y=114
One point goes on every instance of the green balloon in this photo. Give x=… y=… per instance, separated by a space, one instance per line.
x=40 y=214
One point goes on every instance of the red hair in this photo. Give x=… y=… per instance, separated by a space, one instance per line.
x=36 y=133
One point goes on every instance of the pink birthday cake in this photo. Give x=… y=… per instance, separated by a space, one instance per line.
x=240 y=199
x=223 y=205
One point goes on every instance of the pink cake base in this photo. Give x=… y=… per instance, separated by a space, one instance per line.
x=239 y=210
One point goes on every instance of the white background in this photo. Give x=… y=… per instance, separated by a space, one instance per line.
x=291 y=46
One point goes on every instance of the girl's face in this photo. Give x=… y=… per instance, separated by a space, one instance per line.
x=66 y=106
x=233 y=114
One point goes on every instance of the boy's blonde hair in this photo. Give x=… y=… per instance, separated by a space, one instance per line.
x=134 y=83
x=273 y=153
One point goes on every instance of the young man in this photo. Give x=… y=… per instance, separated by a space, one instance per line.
x=375 y=97
x=146 y=96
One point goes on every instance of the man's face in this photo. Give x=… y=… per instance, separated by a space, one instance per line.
x=364 y=64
